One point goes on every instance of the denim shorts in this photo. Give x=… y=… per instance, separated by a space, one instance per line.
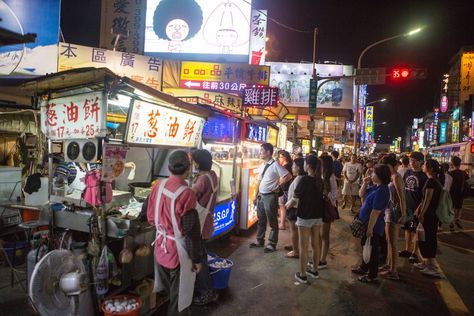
x=308 y=222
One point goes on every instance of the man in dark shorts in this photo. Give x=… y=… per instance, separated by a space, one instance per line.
x=415 y=180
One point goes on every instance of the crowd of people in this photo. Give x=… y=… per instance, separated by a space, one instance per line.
x=302 y=193
x=385 y=194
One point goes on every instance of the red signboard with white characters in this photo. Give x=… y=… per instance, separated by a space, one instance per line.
x=151 y=124
x=260 y=97
x=74 y=117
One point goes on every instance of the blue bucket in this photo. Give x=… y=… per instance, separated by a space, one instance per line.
x=220 y=276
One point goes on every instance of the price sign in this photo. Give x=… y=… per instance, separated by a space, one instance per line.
x=74 y=117
x=151 y=124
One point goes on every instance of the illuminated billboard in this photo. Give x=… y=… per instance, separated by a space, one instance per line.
x=293 y=81
x=206 y=27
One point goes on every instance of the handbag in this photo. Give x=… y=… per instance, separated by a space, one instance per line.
x=330 y=211
x=358 y=227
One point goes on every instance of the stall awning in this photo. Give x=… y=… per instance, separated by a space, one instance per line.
x=275 y=114
x=94 y=79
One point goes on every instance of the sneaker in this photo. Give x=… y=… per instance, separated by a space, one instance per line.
x=404 y=254
x=391 y=275
x=208 y=298
x=301 y=279
x=269 y=248
x=322 y=265
x=313 y=274
x=431 y=272
x=413 y=258
x=458 y=224
x=420 y=265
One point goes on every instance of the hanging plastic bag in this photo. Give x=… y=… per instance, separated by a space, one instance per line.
x=420 y=232
x=126 y=255
x=102 y=273
x=367 y=251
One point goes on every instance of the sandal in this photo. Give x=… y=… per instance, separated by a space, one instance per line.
x=359 y=271
x=367 y=279
x=292 y=255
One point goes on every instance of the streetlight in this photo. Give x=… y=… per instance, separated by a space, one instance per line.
x=376 y=101
x=359 y=65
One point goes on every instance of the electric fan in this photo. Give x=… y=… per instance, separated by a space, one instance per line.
x=59 y=281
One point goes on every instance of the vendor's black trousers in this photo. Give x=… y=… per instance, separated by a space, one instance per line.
x=170 y=279
x=373 y=266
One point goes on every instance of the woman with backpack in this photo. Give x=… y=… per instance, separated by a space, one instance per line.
x=428 y=220
x=330 y=191
x=309 y=203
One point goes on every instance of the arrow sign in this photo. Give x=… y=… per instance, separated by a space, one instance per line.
x=191 y=84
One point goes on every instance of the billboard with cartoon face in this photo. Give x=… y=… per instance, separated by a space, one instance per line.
x=207 y=27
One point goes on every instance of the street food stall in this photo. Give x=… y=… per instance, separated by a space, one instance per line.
x=100 y=127
x=253 y=135
x=220 y=137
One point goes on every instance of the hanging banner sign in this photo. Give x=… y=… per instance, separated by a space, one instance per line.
x=282 y=136
x=124 y=17
x=444 y=103
x=218 y=100
x=467 y=77
x=255 y=132
x=261 y=97
x=369 y=119
x=443 y=129
x=435 y=124
x=455 y=132
x=151 y=124
x=258 y=37
x=272 y=136
x=74 y=117
x=144 y=69
x=222 y=77
x=224 y=217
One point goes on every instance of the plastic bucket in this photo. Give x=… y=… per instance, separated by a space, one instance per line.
x=29 y=215
x=135 y=312
x=16 y=252
x=220 y=276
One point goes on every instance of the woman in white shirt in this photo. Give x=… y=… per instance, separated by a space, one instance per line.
x=330 y=190
x=298 y=173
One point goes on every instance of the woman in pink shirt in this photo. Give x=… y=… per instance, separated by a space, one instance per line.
x=206 y=189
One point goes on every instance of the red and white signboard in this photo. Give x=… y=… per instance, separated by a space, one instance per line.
x=74 y=117
x=261 y=97
x=151 y=124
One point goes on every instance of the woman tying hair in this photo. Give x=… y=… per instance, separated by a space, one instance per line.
x=426 y=214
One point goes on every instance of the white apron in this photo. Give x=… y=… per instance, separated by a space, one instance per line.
x=187 y=276
x=203 y=211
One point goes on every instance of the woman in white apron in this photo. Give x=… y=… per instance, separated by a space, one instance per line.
x=172 y=210
x=206 y=189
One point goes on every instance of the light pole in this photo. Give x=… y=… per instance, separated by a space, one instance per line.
x=359 y=65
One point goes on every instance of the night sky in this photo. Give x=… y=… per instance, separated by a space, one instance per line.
x=346 y=27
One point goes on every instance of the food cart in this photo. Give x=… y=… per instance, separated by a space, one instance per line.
x=220 y=137
x=120 y=131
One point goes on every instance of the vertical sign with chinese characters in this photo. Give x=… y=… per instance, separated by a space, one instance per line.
x=222 y=77
x=258 y=37
x=467 y=77
x=443 y=130
x=74 y=117
x=151 y=124
x=144 y=69
x=313 y=96
x=369 y=119
x=272 y=136
x=260 y=97
x=455 y=132
x=126 y=17
x=435 y=125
